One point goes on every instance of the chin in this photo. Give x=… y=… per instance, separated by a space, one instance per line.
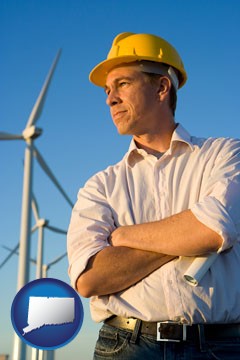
x=125 y=130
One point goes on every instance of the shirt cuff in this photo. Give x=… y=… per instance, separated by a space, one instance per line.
x=214 y=215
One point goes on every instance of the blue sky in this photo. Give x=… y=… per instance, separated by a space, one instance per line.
x=78 y=137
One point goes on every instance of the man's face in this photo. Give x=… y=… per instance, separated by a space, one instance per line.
x=133 y=101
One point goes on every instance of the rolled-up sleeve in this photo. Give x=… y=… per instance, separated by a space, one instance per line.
x=219 y=205
x=90 y=226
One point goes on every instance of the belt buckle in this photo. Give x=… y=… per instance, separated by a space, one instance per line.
x=183 y=332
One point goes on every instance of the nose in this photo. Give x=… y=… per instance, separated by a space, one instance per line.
x=112 y=98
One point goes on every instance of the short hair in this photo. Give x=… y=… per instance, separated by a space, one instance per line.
x=172 y=94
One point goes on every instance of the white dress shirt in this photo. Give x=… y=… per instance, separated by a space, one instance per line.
x=195 y=173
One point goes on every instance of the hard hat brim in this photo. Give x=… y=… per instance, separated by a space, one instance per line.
x=99 y=73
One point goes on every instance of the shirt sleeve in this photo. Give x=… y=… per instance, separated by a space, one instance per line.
x=90 y=226
x=219 y=206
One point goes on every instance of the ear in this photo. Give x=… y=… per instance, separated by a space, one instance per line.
x=164 y=87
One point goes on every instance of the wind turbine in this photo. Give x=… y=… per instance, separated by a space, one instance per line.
x=41 y=224
x=29 y=134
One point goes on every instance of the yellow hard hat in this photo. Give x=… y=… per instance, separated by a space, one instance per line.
x=129 y=47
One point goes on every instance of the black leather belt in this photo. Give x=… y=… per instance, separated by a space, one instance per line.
x=171 y=331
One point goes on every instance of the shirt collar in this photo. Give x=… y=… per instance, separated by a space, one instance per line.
x=180 y=135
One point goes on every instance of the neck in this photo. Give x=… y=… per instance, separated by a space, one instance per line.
x=157 y=142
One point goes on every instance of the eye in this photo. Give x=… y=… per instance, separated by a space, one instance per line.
x=123 y=83
x=107 y=91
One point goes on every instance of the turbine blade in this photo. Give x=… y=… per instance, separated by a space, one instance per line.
x=17 y=253
x=56 y=260
x=34 y=228
x=9 y=249
x=35 y=208
x=13 y=251
x=7 y=136
x=55 y=229
x=37 y=109
x=47 y=170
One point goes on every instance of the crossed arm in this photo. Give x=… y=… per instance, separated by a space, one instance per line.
x=138 y=250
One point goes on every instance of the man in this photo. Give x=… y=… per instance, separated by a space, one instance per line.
x=138 y=225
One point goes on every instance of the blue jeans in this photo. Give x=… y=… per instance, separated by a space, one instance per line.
x=118 y=344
